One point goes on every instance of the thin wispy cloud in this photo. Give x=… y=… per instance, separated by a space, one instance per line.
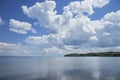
x=1 y=21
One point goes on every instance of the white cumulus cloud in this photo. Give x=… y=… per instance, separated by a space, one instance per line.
x=48 y=18
x=44 y=12
x=20 y=27
x=113 y=17
x=37 y=40
x=73 y=29
x=12 y=49
x=86 y=6
x=99 y=3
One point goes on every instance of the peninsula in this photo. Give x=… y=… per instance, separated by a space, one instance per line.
x=100 y=54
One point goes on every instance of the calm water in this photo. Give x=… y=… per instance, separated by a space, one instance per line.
x=59 y=68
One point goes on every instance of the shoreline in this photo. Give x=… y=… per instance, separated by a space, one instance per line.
x=99 y=54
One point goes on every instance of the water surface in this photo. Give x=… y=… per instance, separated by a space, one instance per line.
x=59 y=68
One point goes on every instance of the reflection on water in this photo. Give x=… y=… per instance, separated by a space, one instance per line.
x=59 y=68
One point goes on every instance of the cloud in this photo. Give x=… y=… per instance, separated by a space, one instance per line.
x=37 y=40
x=50 y=40
x=20 y=27
x=54 y=50
x=113 y=17
x=96 y=33
x=44 y=12
x=78 y=7
x=73 y=29
x=70 y=31
x=93 y=38
x=98 y=3
x=11 y=49
x=112 y=29
x=48 y=18
x=1 y=21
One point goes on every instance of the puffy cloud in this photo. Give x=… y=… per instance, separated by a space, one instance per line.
x=70 y=31
x=93 y=38
x=99 y=3
x=11 y=49
x=110 y=33
x=48 y=18
x=44 y=12
x=41 y=9
x=78 y=7
x=113 y=17
x=54 y=50
x=37 y=40
x=1 y=21
x=73 y=29
x=107 y=31
x=20 y=27
x=52 y=39
x=96 y=33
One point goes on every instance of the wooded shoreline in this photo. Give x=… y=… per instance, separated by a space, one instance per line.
x=100 y=54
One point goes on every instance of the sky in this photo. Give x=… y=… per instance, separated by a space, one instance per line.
x=58 y=27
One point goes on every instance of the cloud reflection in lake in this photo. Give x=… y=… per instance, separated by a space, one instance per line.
x=60 y=68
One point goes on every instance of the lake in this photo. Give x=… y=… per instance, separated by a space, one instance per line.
x=59 y=68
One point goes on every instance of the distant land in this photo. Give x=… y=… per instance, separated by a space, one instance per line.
x=99 y=54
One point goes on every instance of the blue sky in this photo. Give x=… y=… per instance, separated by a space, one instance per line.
x=56 y=27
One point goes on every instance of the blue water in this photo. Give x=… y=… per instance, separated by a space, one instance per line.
x=59 y=68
